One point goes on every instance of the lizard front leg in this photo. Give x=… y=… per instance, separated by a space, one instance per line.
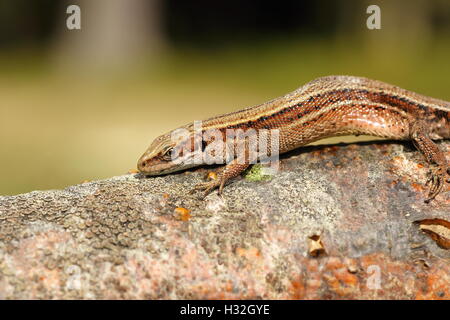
x=224 y=174
x=434 y=156
x=245 y=148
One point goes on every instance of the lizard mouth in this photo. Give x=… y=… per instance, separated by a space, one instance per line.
x=150 y=166
x=156 y=167
x=162 y=169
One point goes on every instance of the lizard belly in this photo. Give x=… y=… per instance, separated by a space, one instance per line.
x=345 y=121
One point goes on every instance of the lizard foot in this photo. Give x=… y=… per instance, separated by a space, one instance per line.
x=436 y=181
x=207 y=187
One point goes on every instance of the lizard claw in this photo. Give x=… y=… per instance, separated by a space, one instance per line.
x=437 y=181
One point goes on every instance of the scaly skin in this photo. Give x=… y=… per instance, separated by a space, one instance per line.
x=325 y=107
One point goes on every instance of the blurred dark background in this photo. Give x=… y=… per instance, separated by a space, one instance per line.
x=84 y=104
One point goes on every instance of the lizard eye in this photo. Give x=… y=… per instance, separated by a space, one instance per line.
x=167 y=154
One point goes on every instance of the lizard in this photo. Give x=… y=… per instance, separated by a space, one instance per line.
x=325 y=107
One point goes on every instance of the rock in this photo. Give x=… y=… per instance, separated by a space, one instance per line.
x=132 y=237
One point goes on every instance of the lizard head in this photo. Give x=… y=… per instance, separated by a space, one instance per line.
x=170 y=152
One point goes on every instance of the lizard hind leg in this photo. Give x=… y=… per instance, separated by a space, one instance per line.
x=434 y=156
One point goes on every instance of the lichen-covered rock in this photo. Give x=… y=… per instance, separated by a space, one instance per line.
x=334 y=223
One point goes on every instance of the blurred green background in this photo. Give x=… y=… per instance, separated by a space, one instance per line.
x=84 y=104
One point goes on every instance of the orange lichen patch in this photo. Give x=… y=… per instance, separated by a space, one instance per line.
x=228 y=286
x=182 y=214
x=420 y=165
x=437 y=286
x=370 y=260
x=373 y=276
x=397 y=158
x=417 y=187
x=339 y=279
x=328 y=275
x=249 y=253
x=314 y=280
x=326 y=278
x=166 y=196
x=334 y=263
x=131 y=171
x=335 y=286
x=211 y=175
x=297 y=289
x=346 y=277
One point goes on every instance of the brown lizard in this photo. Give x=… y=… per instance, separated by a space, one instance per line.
x=325 y=107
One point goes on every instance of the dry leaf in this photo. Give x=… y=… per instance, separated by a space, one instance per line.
x=438 y=230
x=315 y=246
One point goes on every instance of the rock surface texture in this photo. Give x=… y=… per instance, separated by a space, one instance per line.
x=336 y=222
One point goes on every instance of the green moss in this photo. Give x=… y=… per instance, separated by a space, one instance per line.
x=256 y=173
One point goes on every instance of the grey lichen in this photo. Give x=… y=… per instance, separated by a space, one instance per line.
x=119 y=238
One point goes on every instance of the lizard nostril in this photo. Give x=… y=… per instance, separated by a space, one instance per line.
x=142 y=164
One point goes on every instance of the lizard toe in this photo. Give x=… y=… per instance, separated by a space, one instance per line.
x=206 y=187
x=437 y=183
